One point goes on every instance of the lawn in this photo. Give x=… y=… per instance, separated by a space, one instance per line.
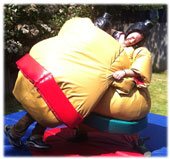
x=159 y=93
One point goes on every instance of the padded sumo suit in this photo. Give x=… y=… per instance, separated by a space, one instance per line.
x=129 y=99
x=80 y=59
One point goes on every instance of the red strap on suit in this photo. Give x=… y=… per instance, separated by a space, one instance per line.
x=49 y=90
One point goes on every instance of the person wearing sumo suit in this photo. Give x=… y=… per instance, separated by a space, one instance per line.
x=17 y=131
x=133 y=41
x=131 y=100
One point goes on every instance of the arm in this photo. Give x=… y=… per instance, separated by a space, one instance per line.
x=143 y=66
x=118 y=75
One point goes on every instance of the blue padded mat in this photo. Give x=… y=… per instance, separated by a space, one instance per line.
x=156 y=130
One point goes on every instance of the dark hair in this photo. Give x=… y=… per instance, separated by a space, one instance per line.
x=104 y=22
x=141 y=27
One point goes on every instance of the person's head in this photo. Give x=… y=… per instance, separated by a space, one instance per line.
x=104 y=22
x=137 y=33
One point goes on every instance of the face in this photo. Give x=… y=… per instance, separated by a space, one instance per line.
x=133 y=38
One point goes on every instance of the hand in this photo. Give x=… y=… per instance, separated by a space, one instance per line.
x=118 y=75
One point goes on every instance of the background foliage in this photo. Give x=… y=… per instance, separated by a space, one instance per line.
x=25 y=25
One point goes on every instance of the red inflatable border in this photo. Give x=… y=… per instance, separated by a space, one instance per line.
x=49 y=90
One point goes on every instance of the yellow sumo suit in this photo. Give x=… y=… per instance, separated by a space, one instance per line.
x=80 y=58
x=129 y=99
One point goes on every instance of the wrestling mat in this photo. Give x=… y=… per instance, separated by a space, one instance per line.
x=100 y=144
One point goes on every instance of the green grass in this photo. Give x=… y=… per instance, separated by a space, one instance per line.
x=159 y=93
